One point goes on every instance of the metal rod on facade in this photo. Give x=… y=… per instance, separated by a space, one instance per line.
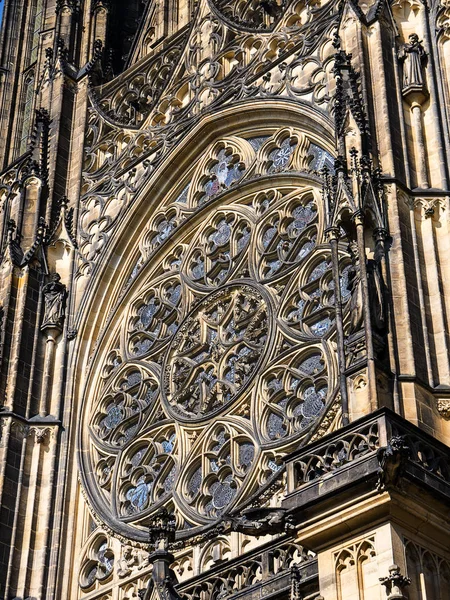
x=371 y=372
x=333 y=236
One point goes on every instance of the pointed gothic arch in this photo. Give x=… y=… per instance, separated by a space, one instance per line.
x=243 y=248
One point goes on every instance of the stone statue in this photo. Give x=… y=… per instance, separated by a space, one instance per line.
x=126 y=563
x=270 y=7
x=354 y=286
x=392 y=459
x=132 y=558
x=54 y=303
x=413 y=57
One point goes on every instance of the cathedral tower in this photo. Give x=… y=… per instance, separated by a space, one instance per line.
x=224 y=299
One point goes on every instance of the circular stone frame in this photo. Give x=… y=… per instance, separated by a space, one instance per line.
x=243 y=294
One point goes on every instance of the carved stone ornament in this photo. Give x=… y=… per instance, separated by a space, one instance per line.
x=443 y=407
x=132 y=559
x=263 y=521
x=392 y=459
x=162 y=529
x=413 y=57
x=395 y=583
x=54 y=303
x=228 y=331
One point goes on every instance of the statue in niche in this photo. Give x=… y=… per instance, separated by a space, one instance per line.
x=413 y=57
x=54 y=303
x=354 y=286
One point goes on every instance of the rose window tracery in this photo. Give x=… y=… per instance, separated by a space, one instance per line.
x=219 y=249
x=220 y=358
x=155 y=316
x=223 y=171
x=287 y=237
x=147 y=472
x=122 y=407
x=280 y=157
x=294 y=396
x=216 y=351
x=227 y=453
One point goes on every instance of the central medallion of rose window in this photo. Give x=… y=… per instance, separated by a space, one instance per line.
x=216 y=351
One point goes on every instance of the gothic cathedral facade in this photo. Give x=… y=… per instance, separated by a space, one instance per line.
x=225 y=299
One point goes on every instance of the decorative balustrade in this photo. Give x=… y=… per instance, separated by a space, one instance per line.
x=364 y=449
x=269 y=566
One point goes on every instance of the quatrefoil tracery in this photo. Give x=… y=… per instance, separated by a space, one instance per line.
x=98 y=562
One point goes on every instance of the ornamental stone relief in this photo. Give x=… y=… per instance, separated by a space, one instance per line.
x=220 y=356
x=216 y=352
x=232 y=52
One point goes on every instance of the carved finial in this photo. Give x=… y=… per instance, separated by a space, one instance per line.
x=41 y=228
x=162 y=529
x=340 y=165
x=49 y=55
x=61 y=49
x=162 y=533
x=42 y=114
x=98 y=45
x=354 y=159
x=395 y=583
x=336 y=40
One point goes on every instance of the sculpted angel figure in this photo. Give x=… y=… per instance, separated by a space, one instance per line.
x=413 y=57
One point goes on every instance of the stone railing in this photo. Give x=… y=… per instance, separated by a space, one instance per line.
x=363 y=450
x=272 y=567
